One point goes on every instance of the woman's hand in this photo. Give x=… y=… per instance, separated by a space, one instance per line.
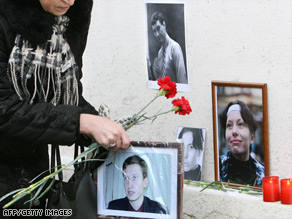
x=104 y=131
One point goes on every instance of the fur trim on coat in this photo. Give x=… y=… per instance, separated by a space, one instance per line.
x=27 y=18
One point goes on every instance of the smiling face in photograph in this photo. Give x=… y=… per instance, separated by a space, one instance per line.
x=238 y=136
x=134 y=183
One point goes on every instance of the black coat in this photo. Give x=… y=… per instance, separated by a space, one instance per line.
x=27 y=129
x=150 y=206
x=194 y=175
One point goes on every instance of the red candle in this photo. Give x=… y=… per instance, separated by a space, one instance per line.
x=286 y=191
x=271 y=188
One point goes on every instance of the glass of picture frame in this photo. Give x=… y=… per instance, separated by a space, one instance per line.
x=254 y=96
x=163 y=184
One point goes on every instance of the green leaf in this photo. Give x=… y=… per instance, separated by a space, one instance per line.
x=10 y=193
x=47 y=189
x=14 y=200
x=41 y=186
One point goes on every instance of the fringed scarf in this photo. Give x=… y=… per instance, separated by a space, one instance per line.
x=47 y=73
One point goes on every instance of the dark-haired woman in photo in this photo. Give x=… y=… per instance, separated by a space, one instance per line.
x=237 y=165
x=193 y=149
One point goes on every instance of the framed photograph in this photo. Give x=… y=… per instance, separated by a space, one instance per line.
x=194 y=146
x=240 y=126
x=144 y=181
x=166 y=42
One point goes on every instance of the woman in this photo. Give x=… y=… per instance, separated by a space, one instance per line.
x=237 y=165
x=193 y=150
x=41 y=102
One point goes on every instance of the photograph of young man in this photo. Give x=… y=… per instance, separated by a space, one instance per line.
x=135 y=183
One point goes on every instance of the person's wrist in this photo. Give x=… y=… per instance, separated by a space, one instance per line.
x=83 y=129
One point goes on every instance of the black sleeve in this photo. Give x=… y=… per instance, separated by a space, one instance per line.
x=41 y=122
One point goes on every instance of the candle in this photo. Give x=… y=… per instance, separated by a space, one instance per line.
x=286 y=191
x=271 y=189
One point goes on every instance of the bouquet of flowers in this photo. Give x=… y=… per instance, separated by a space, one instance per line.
x=167 y=88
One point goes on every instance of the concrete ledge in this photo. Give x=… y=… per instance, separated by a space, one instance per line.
x=213 y=204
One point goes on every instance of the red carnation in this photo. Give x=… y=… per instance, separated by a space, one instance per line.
x=181 y=106
x=167 y=87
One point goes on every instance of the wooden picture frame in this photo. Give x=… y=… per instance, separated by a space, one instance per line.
x=164 y=162
x=254 y=95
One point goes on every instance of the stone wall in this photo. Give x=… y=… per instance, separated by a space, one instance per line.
x=214 y=204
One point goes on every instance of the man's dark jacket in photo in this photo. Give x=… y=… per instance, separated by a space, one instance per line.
x=150 y=206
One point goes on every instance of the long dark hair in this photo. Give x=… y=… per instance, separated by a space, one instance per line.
x=246 y=115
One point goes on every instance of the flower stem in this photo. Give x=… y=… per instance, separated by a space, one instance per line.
x=153 y=117
x=148 y=104
x=28 y=190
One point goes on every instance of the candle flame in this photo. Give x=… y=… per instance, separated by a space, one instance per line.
x=288 y=182
x=271 y=181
